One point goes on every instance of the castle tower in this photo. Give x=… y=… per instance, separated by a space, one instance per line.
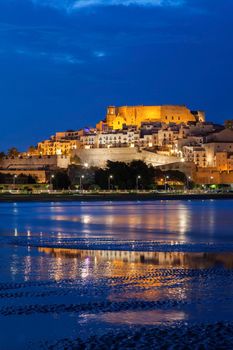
x=111 y=115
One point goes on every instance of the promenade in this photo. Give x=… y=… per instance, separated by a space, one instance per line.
x=54 y=196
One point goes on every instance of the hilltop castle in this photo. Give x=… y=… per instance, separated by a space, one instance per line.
x=117 y=117
x=169 y=137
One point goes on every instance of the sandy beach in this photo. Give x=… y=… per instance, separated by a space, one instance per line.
x=117 y=275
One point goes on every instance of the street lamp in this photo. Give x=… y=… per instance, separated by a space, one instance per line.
x=109 y=181
x=86 y=165
x=51 y=181
x=166 y=178
x=14 y=178
x=137 y=179
x=188 y=178
x=211 y=178
x=80 y=182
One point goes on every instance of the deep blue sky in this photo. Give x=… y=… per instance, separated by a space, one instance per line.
x=63 y=61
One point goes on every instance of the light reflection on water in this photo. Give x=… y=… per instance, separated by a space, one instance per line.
x=161 y=220
x=200 y=283
x=142 y=318
x=58 y=263
x=149 y=276
x=156 y=259
x=76 y=277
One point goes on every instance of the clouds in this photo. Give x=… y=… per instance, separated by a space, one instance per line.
x=72 y=5
x=56 y=57
x=88 y=3
x=84 y=38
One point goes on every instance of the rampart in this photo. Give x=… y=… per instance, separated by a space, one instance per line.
x=99 y=156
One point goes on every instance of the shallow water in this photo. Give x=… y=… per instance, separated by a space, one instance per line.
x=74 y=269
x=209 y=220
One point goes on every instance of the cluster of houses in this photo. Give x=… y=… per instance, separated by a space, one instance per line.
x=175 y=133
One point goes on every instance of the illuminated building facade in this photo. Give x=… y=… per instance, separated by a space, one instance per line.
x=196 y=155
x=167 y=135
x=117 y=117
x=58 y=147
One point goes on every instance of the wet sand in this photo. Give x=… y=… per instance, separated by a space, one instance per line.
x=182 y=337
x=131 y=275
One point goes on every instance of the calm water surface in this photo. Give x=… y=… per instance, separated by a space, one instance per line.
x=162 y=221
x=68 y=270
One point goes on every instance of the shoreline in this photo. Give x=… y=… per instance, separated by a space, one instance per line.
x=117 y=197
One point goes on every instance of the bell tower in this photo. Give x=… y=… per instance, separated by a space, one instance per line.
x=111 y=115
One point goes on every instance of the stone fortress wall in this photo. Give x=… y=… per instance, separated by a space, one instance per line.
x=41 y=175
x=99 y=156
x=35 y=162
x=134 y=115
x=35 y=166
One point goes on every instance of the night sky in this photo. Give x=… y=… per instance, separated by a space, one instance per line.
x=63 y=61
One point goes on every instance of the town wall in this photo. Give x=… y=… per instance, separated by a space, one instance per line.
x=41 y=175
x=212 y=176
x=35 y=162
